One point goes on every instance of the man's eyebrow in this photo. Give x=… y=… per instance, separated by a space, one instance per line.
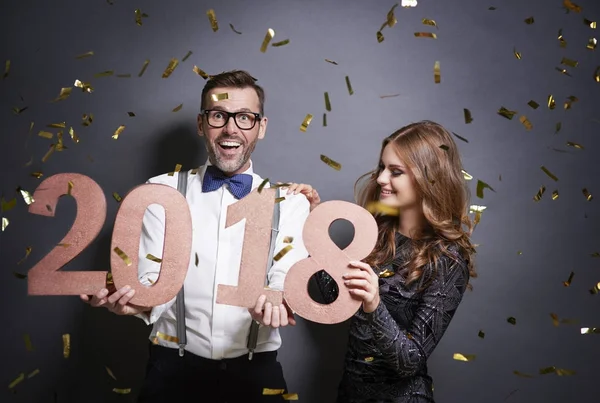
x=220 y=108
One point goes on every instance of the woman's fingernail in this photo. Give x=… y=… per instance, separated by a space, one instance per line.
x=130 y=293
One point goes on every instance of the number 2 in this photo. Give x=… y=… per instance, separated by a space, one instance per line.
x=45 y=278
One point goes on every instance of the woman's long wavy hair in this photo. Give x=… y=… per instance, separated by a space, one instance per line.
x=431 y=155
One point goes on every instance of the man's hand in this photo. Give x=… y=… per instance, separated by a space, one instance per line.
x=268 y=315
x=116 y=302
x=311 y=194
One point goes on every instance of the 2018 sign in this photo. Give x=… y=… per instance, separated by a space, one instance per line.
x=45 y=278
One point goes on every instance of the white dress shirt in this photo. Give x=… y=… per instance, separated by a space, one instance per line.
x=215 y=331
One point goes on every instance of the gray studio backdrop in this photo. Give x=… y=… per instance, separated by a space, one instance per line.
x=527 y=249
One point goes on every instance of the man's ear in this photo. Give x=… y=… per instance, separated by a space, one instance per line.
x=263 y=128
x=200 y=130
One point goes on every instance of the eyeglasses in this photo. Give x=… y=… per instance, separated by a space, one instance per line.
x=243 y=120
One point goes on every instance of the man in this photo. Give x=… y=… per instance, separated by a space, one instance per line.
x=216 y=367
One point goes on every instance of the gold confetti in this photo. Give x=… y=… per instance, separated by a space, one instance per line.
x=197 y=260
x=569 y=62
x=533 y=104
x=28 y=344
x=33 y=373
x=131 y=114
x=590 y=330
x=592 y=42
x=109 y=280
x=177 y=108
x=460 y=137
x=437 y=75
x=124 y=75
x=558 y=127
x=73 y=135
x=425 y=35
x=481 y=185
x=369 y=359
x=49 y=152
x=550 y=174
x=233 y=29
x=117 y=197
x=106 y=73
x=569 y=5
x=511 y=320
x=290 y=396
x=426 y=21
x=481 y=334
x=118 y=132
x=144 y=67
x=306 y=122
x=591 y=24
x=70 y=185
x=389 y=96
x=6 y=206
x=123 y=256
x=466 y=175
x=327 y=103
x=87 y=120
x=46 y=135
x=288 y=239
x=478 y=210
x=587 y=194
x=153 y=258
x=219 y=97
x=563 y=71
x=212 y=17
x=170 y=68
x=272 y=392
x=555 y=195
x=331 y=61
x=17 y=381
x=595 y=289
x=380 y=37
x=523 y=119
x=279 y=199
x=468 y=117
x=551 y=102
x=61 y=125
x=377 y=207
x=263 y=184
x=187 y=55
x=597 y=74
x=6 y=69
x=463 y=357
x=508 y=114
x=391 y=18
x=333 y=164
x=282 y=252
x=85 y=55
x=110 y=373
x=575 y=145
x=85 y=87
x=27 y=198
x=324 y=120
x=60 y=145
x=444 y=147
x=138 y=16
x=64 y=94
x=5 y=223
x=18 y=111
x=66 y=345
x=561 y=40
x=19 y=275
x=122 y=391
x=539 y=194
x=386 y=273
x=349 y=86
x=523 y=375
x=27 y=253
x=517 y=54
x=200 y=72
x=265 y=44
x=281 y=43
x=529 y=21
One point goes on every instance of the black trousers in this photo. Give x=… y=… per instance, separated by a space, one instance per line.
x=171 y=378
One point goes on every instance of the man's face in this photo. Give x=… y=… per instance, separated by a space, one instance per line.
x=229 y=147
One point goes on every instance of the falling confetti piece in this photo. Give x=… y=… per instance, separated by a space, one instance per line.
x=33 y=373
x=575 y=145
x=587 y=194
x=426 y=21
x=592 y=42
x=288 y=239
x=463 y=357
x=331 y=61
x=66 y=345
x=444 y=147
x=306 y=122
x=555 y=195
x=177 y=108
x=591 y=24
x=563 y=71
x=110 y=373
x=569 y=102
x=460 y=137
x=219 y=97
x=386 y=273
x=290 y=396
x=262 y=185
x=87 y=120
x=106 y=73
x=533 y=104
x=380 y=37
x=569 y=5
x=6 y=69
x=478 y=210
x=200 y=72
x=551 y=102
x=595 y=289
x=28 y=344
x=377 y=207
x=561 y=39
x=523 y=375
x=117 y=197
x=123 y=256
x=73 y=135
x=324 y=120
x=333 y=164
x=167 y=337
x=144 y=67
x=327 y=103
x=437 y=75
x=281 y=43
x=389 y=96
x=539 y=194
x=138 y=16
x=45 y=134
x=122 y=391
x=481 y=334
x=118 y=132
x=61 y=125
x=525 y=122
x=18 y=111
x=569 y=62
x=64 y=94
x=550 y=174
x=558 y=127
x=85 y=55
x=131 y=114
x=468 y=117
x=282 y=252
x=466 y=175
x=19 y=275
x=425 y=35
x=17 y=381
x=27 y=198
x=511 y=320
x=265 y=44
x=234 y=30
x=409 y=3
x=569 y=280
x=272 y=392
x=349 y=86
x=153 y=258
x=187 y=55
x=212 y=17
x=5 y=223
x=197 y=259
x=27 y=253
x=70 y=187
x=529 y=21
x=590 y=330
x=508 y=114
x=517 y=54
x=170 y=68
x=481 y=185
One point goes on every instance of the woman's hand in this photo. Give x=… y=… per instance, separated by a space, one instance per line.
x=311 y=194
x=364 y=284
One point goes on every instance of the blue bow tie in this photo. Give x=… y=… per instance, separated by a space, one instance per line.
x=239 y=185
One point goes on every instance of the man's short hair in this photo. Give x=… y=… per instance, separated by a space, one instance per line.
x=233 y=79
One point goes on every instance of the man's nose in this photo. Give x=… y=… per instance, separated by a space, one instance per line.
x=230 y=126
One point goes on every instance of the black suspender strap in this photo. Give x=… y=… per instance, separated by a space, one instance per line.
x=181 y=335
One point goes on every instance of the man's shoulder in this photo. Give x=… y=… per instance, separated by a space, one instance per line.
x=169 y=178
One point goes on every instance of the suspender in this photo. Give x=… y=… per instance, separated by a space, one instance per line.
x=180 y=301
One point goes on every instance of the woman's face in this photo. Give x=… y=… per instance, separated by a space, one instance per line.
x=396 y=181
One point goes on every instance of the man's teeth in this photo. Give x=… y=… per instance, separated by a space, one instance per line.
x=229 y=144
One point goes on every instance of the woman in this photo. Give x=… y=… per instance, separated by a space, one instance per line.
x=414 y=279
